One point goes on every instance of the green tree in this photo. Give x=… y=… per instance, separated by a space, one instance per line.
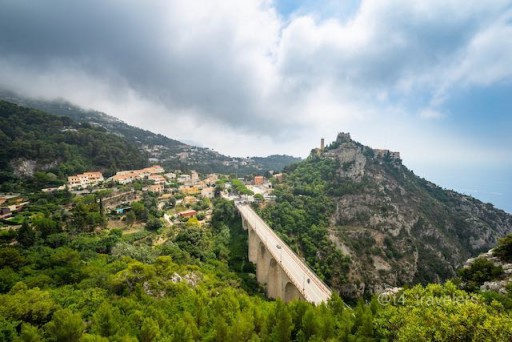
x=150 y=330
x=65 y=326
x=46 y=226
x=8 y=277
x=79 y=218
x=10 y=256
x=140 y=211
x=26 y=236
x=281 y=323
x=7 y=329
x=105 y=320
x=153 y=224
x=504 y=248
x=480 y=271
x=130 y=218
x=29 y=305
x=172 y=202
x=29 y=333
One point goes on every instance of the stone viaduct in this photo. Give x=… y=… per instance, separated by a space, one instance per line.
x=278 y=268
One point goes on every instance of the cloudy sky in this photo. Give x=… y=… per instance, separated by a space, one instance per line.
x=431 y=79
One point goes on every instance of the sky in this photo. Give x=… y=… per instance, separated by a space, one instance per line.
x=431 y=79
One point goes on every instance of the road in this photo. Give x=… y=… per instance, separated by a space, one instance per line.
x=306 y=281
x=168 y=219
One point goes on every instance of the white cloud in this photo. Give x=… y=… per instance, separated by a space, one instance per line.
x=196 y=68
x=429 y=113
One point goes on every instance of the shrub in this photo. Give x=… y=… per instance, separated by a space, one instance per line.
x=504 y=248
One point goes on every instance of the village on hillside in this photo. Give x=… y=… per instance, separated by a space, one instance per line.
x=147 y=199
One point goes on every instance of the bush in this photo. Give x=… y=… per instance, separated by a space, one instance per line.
x=504 y=248
x=480 y=271
x=153 y=224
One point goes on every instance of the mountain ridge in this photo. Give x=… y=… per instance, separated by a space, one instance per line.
x=45 y=148
x=394 y=227
x=170 y=153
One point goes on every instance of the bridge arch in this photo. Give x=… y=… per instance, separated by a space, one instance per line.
x=291 y=292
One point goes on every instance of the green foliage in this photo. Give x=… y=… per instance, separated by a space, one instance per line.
x=154 y=224
x=301 y=215
x=8 y=277
x=25 y=235
x=29 y=305
x=259 y=197
x=141 y=253
x=106 y=320
x=46 y=226
x=231 y=243
x=34 y=135
x=126 y=300
x=504 y=248
x=480 y=271
x=199 y=286
x=7 y=329
x=130 y=218
x=30 y=333
x=442 y=313
x=86 y=215
x=240 y=187
x=65 y=326
x=141 y=213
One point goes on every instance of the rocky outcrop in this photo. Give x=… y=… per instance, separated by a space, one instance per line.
x=497 y=285
x=26 y=167
x=399 y=228
x=23 y=167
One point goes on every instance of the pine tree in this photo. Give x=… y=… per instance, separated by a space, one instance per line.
x=26 y=236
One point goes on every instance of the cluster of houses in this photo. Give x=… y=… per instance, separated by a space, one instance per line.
x=85 y=179
x=11 y=203
x=190 y=185
x=125 y=177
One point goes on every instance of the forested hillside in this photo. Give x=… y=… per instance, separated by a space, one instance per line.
x=64 y=283
x=44 y=149
x=170 y=153
x=365 y=222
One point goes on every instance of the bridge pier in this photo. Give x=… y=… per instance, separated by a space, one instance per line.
x=254 y=244
x=263 y=263
x=274 y=280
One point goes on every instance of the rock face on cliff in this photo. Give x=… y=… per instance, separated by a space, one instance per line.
x=398 y=228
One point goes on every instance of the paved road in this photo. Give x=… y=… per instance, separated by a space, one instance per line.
x=314 y=290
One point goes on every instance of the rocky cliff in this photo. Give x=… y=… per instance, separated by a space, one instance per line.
x=395 y=227
x=399 y=228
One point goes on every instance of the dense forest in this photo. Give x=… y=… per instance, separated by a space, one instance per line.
x=66 y=282
x=170 y=153
x=45 y=149
x=301 y=217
